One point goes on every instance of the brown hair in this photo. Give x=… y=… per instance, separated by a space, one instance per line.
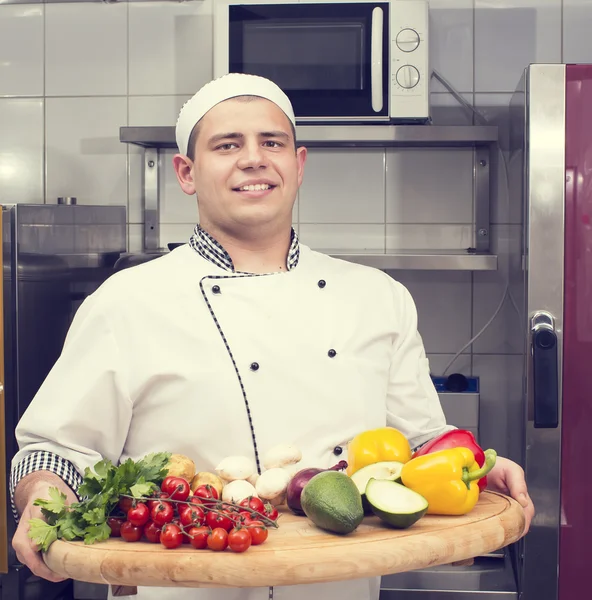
x=196 y=128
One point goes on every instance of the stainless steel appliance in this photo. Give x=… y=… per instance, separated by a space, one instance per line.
x=551 y=182
x=352 y=61
x=53 y=256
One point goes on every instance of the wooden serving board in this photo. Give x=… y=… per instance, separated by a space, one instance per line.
x=298 y=552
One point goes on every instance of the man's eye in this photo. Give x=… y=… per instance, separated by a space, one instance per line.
x=273 y=144
x=225 y=146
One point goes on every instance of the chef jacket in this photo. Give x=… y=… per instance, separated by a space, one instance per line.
x=187 y=355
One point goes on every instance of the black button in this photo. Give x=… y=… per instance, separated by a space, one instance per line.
x=337 y=450
x=322 y=283
x=216 y=289
x=254 y=366
x=332 y=353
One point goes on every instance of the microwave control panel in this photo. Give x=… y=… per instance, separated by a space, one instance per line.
x=409 y=59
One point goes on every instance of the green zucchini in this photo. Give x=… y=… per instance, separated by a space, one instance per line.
x=395 y=504
x=389 y=470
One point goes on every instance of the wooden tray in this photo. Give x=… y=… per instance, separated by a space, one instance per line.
x=298 y=552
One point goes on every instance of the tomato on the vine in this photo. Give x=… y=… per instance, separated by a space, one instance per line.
x=138 y=514
x=125 y=504
x=254 y=503
x=165 y=486
x=258 y=532
x=206 y=492
x=131 y=532
x=215 y=519
x=218 y=539
x=239 y=539
x=152 y=532
x=198 y=537
x=115 y=524
x=152 y=503
x=192 y=515
x=179 y=489
x=171 y=536
x=271 y=512
x=162 y=513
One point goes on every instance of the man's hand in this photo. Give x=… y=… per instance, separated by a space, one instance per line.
x=28 y=490
x=507 y=477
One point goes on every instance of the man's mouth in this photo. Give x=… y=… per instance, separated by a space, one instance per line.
x=258 y=187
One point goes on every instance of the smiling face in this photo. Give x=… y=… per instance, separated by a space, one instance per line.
x=246 y=172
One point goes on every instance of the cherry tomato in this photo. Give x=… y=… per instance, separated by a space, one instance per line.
x=206 y=492
x=254 y=503
x=115 y=523
x=131 y=532
x=199 y=537
x=194 y=500
x=192 y=515
x=139 y=514
x=214 y=520
x=162 y=513
x=218 y=539
x=271 y=512
x=152 y=503
x=244 y=516
x=171 y=536
x=165 y=486
x=125 y=504
x=239 y=540
x=179 y=489
x=152 y=532
x=258 y=534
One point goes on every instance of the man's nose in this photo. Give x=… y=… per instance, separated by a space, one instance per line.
x=252 y=156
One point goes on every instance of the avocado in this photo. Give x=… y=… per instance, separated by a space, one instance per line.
x=332 y=501
x=390 y=470
x=395 y=504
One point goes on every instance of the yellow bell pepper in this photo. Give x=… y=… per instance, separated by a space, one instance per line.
x=447 y=479
x=377 y=445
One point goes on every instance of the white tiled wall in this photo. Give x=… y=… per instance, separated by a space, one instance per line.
x=72 y=74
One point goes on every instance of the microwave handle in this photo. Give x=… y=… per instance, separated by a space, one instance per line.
x=376 y=58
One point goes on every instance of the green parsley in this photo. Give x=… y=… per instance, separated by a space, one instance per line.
x=101 y=489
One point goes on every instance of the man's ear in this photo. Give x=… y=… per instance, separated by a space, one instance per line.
x=184 y=170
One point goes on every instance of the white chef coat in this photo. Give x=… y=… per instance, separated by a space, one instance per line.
x=180 y=355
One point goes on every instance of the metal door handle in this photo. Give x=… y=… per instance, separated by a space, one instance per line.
x=545 y=370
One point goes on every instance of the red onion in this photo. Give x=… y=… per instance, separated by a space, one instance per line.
x=298 y=482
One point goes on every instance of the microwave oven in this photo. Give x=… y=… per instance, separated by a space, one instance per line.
x=350 y=62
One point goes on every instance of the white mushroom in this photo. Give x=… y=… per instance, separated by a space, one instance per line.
x=238 y=490
x=253 y=478
x=272 y=483
x=235 y=467
x=281 y=455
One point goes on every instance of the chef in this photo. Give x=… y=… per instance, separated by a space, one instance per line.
x=237 y=341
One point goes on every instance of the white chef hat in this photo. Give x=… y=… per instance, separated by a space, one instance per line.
x=223 y=88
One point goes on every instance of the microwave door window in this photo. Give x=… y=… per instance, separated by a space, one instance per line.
x=319 y=54
x=306 y=57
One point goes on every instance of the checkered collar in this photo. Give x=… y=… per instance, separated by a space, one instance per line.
x=207 y=247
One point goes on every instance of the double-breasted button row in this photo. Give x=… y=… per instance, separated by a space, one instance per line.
x=216 y=288
x=255 y=365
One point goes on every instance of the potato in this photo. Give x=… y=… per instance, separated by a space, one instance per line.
x=205 y=478
x=181 y=466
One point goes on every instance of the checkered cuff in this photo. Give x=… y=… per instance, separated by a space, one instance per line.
x=43 y=461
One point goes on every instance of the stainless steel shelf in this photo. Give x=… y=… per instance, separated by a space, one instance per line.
x=331 y=136
x=428 y=260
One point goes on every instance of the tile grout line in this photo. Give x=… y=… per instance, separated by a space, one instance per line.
x=128 y=149
x=44 y=112
x=384 y=183
x=472 y=274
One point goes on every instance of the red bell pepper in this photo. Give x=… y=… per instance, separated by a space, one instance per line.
x=454 y=439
